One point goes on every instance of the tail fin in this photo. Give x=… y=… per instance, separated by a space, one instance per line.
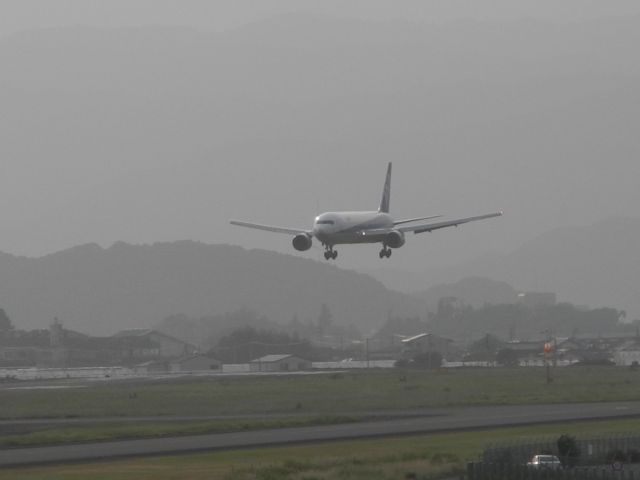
x=386 y=192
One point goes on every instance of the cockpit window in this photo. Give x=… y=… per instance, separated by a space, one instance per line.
x=325 y=222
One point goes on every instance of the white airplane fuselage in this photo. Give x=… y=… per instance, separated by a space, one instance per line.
x=337 y=228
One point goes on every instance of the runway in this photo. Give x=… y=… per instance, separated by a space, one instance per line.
x=424 y=421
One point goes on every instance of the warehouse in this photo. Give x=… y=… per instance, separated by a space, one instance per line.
x=279 y=363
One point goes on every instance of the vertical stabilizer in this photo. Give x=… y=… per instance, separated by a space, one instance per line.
x=386 y=192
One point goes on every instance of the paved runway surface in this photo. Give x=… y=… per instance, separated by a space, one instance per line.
x=436 y=420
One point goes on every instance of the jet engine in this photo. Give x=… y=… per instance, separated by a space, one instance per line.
x=394 y=239
x=302 y=242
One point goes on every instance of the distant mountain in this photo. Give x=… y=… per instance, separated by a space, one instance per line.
x=596 y=265
x=473 y=291
x=206 y=332
x=98 y=290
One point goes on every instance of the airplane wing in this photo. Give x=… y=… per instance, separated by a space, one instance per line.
x=271 y=228
x=409 y=220
x=429 y=227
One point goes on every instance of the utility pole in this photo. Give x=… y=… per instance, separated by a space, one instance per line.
x=548 y=349
x=549 y=380
x=366 y=350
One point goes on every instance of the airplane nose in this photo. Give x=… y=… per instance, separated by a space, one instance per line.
x=319 y=231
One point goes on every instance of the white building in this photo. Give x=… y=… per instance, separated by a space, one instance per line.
x=627 y=356
x=427 y=343
x=196 y=363
x=279 y=363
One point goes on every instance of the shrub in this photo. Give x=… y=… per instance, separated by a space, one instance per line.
x=507 y=357
x=427 y=360
x=615 y=455
x=568 y=450
x=634 y=455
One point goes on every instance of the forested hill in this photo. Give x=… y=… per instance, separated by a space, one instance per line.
x=96 y=290
x=473 y=291
x=595 y=265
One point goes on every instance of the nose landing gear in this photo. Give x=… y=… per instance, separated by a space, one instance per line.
x=385 y=252
x=330 y=253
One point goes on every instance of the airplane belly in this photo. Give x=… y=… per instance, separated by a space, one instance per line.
x=347 y=238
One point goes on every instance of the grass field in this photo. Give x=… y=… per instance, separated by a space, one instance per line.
x=119 y=430
x=314 y=399
x=335 y=393
x=409 y=457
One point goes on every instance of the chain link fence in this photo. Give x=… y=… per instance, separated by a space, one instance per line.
x=614 y=457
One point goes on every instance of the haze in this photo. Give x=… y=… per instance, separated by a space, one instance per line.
x=149 y=121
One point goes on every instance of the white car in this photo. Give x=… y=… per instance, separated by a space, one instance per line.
x=545 y=461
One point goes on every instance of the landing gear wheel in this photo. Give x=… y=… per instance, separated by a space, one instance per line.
x=385 y=252
x=330 y=253
x=388 y=252
x=382 y=253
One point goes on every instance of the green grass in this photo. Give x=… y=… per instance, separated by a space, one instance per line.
x=420 y=457
x=315 y=399
x=330 y=394
x=126 y=430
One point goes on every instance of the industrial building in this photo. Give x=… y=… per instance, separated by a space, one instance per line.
x=279 y=363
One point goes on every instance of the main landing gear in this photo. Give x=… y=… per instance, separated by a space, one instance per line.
x=385 y=252
x=330 y=253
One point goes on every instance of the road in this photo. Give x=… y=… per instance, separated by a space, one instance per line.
x=436 y=420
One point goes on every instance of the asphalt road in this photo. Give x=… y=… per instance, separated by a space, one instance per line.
x=436 y=420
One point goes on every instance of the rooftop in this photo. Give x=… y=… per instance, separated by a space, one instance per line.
x=423 y=335
x=270 y=358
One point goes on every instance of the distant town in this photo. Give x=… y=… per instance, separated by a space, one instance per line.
x=563 y=335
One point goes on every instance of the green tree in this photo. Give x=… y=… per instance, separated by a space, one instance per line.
x=507 y=357
x=447 y=307
x=325 y=319
x=427 y=360
x=568 y=450
x=5 y=321
x=248 y=343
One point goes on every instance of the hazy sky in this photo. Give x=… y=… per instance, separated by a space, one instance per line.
x=18 y=15
x=269 y=123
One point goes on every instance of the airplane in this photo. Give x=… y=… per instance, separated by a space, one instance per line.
x=338 y=228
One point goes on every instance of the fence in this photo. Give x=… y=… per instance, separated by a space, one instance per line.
x=614 y=457
x=591 y=450
x=506 y=471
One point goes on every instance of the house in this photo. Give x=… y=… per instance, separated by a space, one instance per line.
x=537 y=299
x=22 y=356
x=151 y=367
x=427 y=343
x=195 y=363
x=279 y=363
x=627 y=357
x=61 y=347
x=157 y=344
x=528 y=353
x=628 y=352
x=601 y=349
